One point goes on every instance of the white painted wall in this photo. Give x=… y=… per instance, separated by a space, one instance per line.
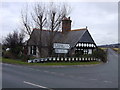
x=90 y=51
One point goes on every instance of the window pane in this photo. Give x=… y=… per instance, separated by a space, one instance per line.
x=34 y=50
x=30 y=49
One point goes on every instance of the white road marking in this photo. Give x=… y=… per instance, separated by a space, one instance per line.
x=36 y=85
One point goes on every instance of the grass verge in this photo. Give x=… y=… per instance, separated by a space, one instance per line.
x=11 y=61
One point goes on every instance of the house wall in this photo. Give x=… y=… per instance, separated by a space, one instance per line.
x=30 y=52
x=80 y=48
x=85 y=47
x=44 y=52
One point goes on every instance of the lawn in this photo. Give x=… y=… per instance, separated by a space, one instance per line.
x=104 y=49
x=11 y=61
x=117 y=50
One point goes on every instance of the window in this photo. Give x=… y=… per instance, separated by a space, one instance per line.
x=33 y=50
x=90 y=51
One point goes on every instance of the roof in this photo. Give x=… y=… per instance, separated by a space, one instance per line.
x=70 y=37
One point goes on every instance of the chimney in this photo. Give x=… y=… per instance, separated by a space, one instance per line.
x=66 y=24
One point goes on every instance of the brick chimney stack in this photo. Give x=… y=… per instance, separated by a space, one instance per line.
x=66 y=24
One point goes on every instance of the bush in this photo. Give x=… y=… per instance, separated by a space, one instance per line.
x=8 y=54
x=99 y=53
x=24 y=57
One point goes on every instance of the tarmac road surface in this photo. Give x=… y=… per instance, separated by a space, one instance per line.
x=104 y=75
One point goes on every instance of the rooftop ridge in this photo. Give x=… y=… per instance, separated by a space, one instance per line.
x=44 y=30
x=79 y=29
x=61 y=31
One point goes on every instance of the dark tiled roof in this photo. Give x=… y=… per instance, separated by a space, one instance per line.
x=70 y=37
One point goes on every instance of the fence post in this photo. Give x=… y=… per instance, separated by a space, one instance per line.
x=65 y=59
x=73 y=59
x=82 y=59
x=57 y=59
x=69 y=59
x=62 y=59
x=76 y=58
x=79 y=59
x=53 y=59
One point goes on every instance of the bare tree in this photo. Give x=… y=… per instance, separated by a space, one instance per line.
x=45 y=15
x=35 y=18
x=26 y=21
x=56 y=13
x=39 y=16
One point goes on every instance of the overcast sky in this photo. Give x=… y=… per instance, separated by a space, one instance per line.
x=101 y=18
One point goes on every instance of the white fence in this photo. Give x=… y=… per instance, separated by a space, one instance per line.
x=62 y=59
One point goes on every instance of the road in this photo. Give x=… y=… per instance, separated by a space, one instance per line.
x=93 y=76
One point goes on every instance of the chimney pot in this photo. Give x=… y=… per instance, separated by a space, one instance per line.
x=69 y=18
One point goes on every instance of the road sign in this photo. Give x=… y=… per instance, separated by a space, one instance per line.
x=61 y=46
x=61 y=51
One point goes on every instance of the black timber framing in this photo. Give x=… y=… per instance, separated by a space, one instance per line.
x=84 y=47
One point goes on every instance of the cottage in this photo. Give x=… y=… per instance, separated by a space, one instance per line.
x=80 y=40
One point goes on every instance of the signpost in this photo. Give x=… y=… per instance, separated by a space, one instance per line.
x=61 y=48
x=61 y=51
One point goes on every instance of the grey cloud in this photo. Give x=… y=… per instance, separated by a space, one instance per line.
x=100 y=17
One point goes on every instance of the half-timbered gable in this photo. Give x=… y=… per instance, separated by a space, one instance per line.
x=86 y=44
